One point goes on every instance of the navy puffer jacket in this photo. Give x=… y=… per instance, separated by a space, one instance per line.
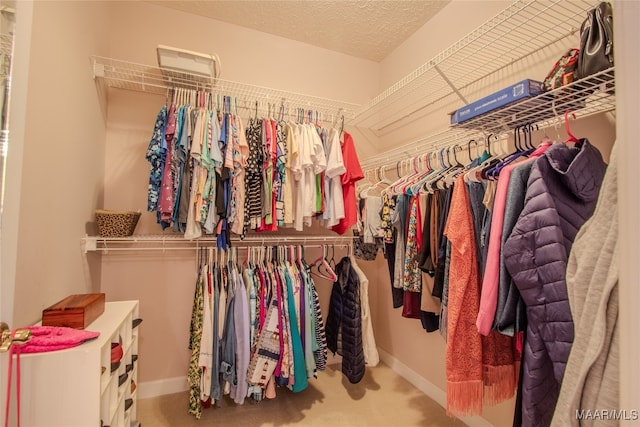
x=561 y=195
x=344 y=321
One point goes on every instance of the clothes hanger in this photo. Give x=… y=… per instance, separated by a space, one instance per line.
x=492 y=160
x=431 y=184
x=457 y=167
x=434 y=172
x=424 y=168
x=389 y=189
x=328 y=266
x=332 y=261
x=545 y=141
x=524 y=147
x=437 y=181
x=380 y=185
x=454 y=168
x=211 y=259
x=393 y=188
x=413 y=177
x=571 y=136
x=323 y=268
x=413 y=173
x=366 y=184
x=476 y=161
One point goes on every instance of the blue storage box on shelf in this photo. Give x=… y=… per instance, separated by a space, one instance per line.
x=507 y=96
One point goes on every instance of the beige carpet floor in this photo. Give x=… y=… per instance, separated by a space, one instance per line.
x=382 y=398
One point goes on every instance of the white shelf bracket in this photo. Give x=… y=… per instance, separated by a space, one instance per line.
x=450 y=83
x=89 y=243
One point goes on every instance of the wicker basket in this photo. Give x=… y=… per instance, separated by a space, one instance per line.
x=116 y=223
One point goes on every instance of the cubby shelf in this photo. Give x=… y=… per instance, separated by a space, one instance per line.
x=69 y=388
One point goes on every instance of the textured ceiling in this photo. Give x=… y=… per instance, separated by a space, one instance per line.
x=369 y=29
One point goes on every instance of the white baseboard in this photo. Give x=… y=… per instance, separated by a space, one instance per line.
x=160 y=387
x=427 y=387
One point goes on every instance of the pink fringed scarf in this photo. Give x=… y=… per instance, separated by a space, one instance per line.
x=479 y=369
x=53 y=338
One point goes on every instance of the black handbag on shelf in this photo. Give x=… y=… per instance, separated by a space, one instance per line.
x=596 y=41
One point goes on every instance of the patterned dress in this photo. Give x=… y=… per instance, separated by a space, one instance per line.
x=388 y=207
x=253 y=178
x=412 y=279
x=194 y=375
x=156 y=155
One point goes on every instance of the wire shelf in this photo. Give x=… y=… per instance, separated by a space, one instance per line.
x=522 y=29
x=592 y=95
x=588 y=96
x=144 y=78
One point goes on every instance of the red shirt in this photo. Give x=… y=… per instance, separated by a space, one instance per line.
x=349 y=178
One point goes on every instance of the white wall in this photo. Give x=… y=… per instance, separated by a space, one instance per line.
x=62 y=138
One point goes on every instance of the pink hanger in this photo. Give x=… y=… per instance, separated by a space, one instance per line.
x=323 y=268
x=572 y=137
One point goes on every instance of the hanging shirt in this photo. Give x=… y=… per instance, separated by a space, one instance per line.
x=334 y=211
x=155 y=156
x=242 y=330
x=254 y=181
x=178 y=163
x=267 y=141
x=187 y=168
x=371 y=219
x=299 y=368
x=369 y=348
x=206 y=343
x=412 y=278
x=288 y=182
x=298 y=176
x=321 y=353
x=207 y=166
x=215 y=384
x=165 y=204
x=240 y=153
x=273 y=154
x=349 y=178
x=399 y=224
x=193 y=230
x=199 y=141
x=307 y=191
x=195 y=373
x=319 y=159
x=280 y=172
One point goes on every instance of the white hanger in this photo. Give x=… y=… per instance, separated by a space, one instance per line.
x=380 y=185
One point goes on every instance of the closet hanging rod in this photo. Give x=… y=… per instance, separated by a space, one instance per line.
x=160 y=242
x=195 y=248
x=126 y=75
